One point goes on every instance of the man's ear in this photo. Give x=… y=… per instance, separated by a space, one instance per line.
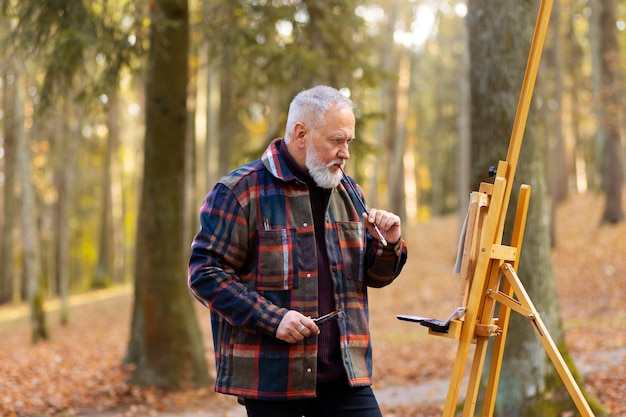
x=300 y=133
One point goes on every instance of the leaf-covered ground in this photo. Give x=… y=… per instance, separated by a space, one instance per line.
x=79 y=371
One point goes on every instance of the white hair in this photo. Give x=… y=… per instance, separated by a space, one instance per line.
x=310 y=107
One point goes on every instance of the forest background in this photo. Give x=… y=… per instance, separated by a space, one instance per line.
x=101 y=171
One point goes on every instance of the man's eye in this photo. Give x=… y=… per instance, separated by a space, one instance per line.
x=340 y=142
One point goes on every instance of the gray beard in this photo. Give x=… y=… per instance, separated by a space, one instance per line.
x=319 y=171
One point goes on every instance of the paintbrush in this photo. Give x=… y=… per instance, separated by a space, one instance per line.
x=358 y=196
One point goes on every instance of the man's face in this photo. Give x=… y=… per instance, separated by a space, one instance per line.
x=327 y=149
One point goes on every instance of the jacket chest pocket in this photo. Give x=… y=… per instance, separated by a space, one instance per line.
x=352 y=244
x=279 y=257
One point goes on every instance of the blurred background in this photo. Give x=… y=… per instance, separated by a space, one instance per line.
x=117 y=117
x=73 y=92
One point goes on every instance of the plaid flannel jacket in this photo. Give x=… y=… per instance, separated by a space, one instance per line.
x=253 y=259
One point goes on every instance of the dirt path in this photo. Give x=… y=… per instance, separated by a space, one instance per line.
x=431 y=393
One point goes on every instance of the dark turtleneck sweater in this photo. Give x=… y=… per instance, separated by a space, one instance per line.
x=329 y=364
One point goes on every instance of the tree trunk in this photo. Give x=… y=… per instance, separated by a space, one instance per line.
x=464 y=129
x=31 y=253
x=190 y=206
x=581 y=162
x=387 y=92
x=117 y=201
x=201 y=73
x=65 y=156
x=551 y=88
x=105 y=270
x=396 y=185
x=166 y=342
x=228 y=117
x=611 y=110
x=595 y=175
x=211 y=150
x=10 y=202
x=500 y=34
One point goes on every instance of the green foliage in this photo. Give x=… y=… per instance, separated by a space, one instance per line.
x=293 y=44
x=76 y=52
x=268 y=51
x=72 y=38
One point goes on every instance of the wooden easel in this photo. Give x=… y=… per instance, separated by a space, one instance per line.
x=488 y=269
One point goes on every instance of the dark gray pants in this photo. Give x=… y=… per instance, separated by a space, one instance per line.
x=333 y=400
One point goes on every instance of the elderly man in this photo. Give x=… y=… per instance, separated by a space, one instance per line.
x=285 y=240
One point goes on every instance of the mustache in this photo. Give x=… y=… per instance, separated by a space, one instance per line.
x=339 y=162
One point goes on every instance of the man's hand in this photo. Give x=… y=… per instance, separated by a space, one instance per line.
x=294 y=327
x=388 y=223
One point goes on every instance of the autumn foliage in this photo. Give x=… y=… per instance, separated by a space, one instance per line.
x=79 y=371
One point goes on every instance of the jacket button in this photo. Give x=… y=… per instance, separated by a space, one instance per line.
x=308 y=275
x=309 y=370
x=305 y=224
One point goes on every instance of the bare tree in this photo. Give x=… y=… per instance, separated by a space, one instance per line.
x=386 y=126
x=553 y=90
x=109 y=267
x=166 y=342
x=10 y=202
x=610 y=113
x=31 y=252
x=397 y=143
x=65 y=157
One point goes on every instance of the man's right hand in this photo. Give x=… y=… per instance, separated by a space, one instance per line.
x=294 y=327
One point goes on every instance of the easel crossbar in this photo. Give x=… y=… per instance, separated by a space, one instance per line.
x=525 y=307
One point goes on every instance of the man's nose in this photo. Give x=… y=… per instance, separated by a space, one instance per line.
x=344 y=152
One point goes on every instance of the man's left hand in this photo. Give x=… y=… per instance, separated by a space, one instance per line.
x=388 y=223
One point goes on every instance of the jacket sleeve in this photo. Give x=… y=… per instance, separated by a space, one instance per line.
x=218 y=251
x=384 y=264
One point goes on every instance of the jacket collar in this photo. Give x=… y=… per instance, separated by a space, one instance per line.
x=278 y=167
x=275 y=163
